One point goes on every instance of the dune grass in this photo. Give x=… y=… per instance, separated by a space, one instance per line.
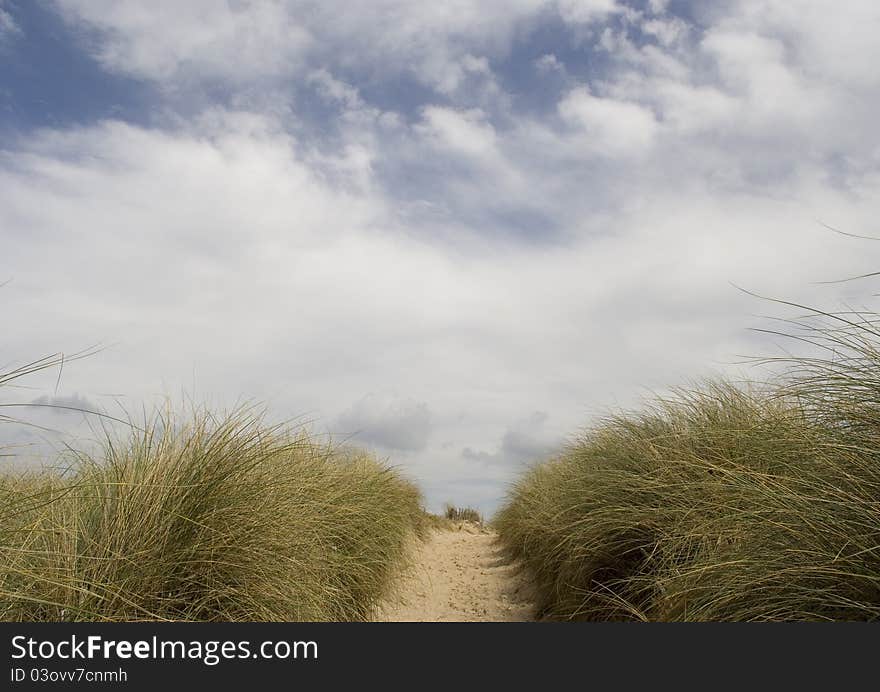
x=208 y=519
x=455 y=513
x=722 y=503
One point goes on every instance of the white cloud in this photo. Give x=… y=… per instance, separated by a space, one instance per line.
x=754 y=68
x=609 y=126
x=526 y=441
x=194 y=40
x=197 y=39
x=8 y=26
x=584 y=11
x=668 y=32
x=483 y=261
x=549 y=63
x=829 y=43
x=387 y=421
x=690 y=109
x=467 y=132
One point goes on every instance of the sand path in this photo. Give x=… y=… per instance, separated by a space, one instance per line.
x=459 y=575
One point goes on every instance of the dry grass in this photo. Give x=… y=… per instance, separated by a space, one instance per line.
x=721 y=504
x=208 y=519
x=453 y=513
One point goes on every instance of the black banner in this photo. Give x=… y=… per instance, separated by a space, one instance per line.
x=277 y=655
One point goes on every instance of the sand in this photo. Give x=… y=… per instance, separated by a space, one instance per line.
x=459 y=575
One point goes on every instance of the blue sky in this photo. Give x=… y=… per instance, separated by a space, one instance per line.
x=453 y=232
x=49 y=79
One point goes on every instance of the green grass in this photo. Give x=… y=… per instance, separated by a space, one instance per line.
x=723 y=503
x=205 y=519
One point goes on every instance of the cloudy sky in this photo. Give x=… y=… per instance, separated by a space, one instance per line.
x=454 y=232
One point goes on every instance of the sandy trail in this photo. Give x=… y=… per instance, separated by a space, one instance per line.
x=459 y=575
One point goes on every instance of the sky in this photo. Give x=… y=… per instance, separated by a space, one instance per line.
x=457 y=233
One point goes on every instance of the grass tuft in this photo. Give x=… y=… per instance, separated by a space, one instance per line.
x=453 y=513
x=209 y=519
x=722 y=503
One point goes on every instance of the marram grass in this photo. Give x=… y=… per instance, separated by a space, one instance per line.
x=209 y=520
x=724 y=503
